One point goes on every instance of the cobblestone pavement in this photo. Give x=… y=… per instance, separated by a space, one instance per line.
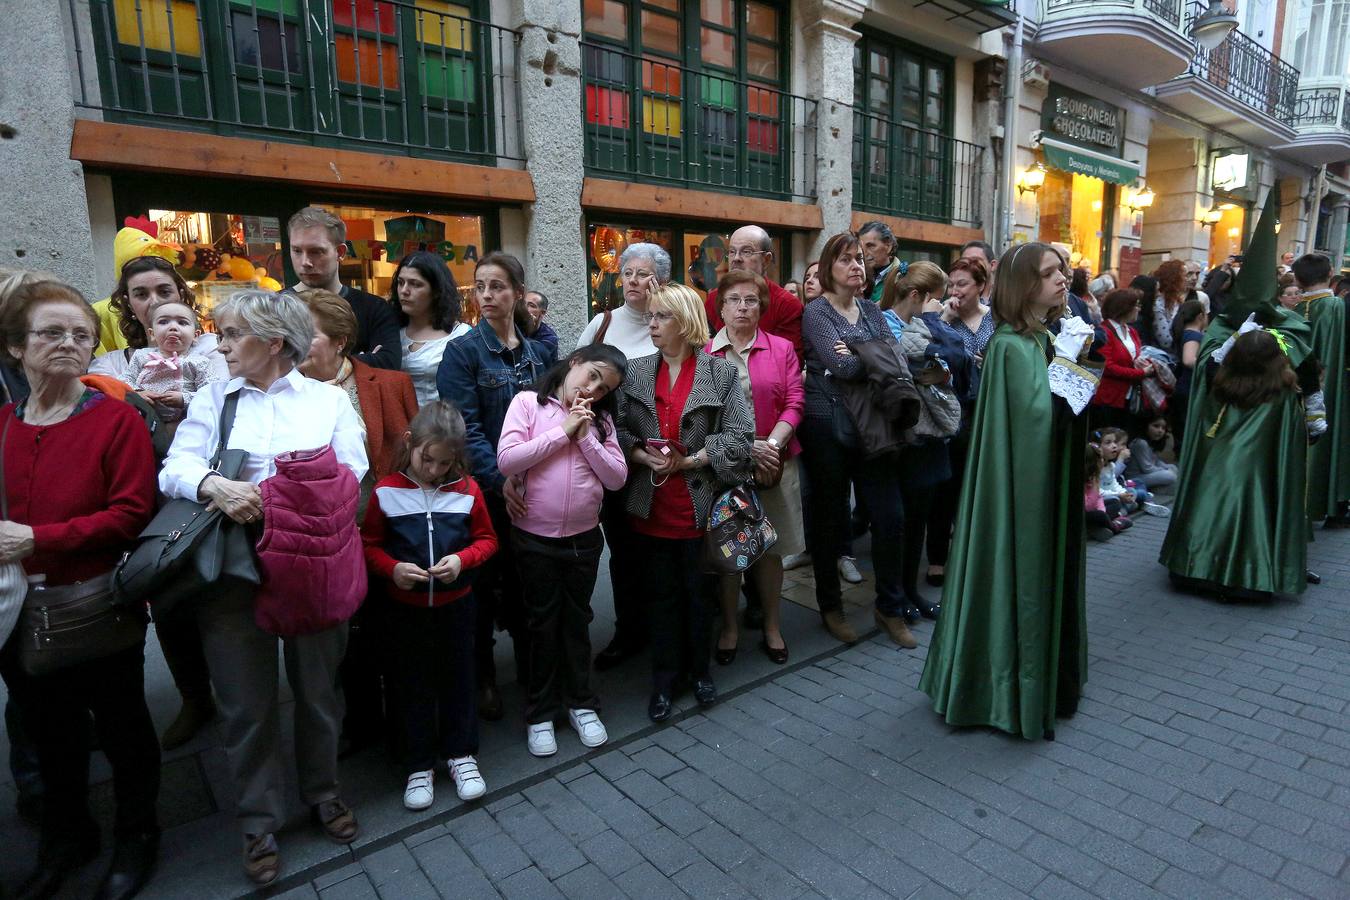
x=1210 y=757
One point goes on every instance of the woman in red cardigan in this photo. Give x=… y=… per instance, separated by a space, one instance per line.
x=1125 y=369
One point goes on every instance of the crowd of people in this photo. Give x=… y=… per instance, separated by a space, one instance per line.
x=973 y=419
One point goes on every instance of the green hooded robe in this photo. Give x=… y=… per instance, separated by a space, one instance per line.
x=1010 y=649
x=1239 y=519
x=1329 y=458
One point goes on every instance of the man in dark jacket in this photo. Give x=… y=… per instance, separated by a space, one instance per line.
x=318 y=242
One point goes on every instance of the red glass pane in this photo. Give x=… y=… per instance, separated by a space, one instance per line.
x=367 y=15
x=660 y=79
x=762 y=102
x=762 y=137
x=605 y=106
x=374 y=59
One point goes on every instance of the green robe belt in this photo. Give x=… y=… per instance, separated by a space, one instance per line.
x=1240 y=517
x=1010 y=649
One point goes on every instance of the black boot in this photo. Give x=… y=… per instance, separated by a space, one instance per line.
x=133 y=861
x=56 y=861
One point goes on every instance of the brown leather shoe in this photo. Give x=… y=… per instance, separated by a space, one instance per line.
x=337 y=819
x=262 y=860
x=838 y=627
x=896 y=629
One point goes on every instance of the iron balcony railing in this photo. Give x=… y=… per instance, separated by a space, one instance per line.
x=380 y=74
x=1168 y=11
x=1322 y=106
x=1244 y=69
x=914 y=172
x=653 y=120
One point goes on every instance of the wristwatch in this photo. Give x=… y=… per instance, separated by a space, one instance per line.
x=773 y=442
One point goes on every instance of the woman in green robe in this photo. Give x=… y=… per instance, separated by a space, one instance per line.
x=1010 y=649
x=1239 y=526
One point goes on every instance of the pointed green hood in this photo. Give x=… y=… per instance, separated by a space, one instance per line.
x=1256 y=283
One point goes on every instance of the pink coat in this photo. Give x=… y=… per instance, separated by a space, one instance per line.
x=310 y=555
x=775 y=386
x=565 y=480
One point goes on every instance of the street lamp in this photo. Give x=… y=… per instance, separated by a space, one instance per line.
x=1142 y=199
x=1031 y=180
x=1213 y=25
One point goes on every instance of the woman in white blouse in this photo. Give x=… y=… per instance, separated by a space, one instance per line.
x=263 y=337
x=427 y=303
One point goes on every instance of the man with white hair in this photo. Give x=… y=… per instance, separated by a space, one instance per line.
x=751 y=248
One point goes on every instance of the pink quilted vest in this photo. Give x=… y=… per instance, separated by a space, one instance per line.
x=310 y=557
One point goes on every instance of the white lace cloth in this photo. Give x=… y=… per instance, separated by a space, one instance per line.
x=1072 y=382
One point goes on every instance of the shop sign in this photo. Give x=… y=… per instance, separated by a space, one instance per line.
x=392 y=251
x=1083 y=120
x=1230 y=171
x=1084 y=162
x=262 y=230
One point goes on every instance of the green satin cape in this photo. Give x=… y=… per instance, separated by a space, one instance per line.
x=1239 y=519
x=1329 y=458
x=1010 y=648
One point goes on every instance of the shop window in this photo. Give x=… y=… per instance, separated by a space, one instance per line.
x=1226 y=237
x=164 y=26
x=223 y=252
x=1074 y=213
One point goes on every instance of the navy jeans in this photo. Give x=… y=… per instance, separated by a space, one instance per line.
x=831 y=465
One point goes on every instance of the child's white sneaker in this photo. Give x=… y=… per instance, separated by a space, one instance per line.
x=588 y=726
x=419 y=793
x=469 y=783
x=541 y=739
x=1156 y=509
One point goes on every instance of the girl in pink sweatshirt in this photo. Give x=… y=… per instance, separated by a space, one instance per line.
x=560 y=439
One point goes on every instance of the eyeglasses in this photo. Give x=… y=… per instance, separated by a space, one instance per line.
x=635 y=273
x=657 y=317
x=738 y=253
x=742 y=301
x=80 y=337
x=233 y=335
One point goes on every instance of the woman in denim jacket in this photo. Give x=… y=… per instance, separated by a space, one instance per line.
x=480 y=374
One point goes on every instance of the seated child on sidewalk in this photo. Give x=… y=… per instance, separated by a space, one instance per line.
x=1114 y=456
x=1145 y=464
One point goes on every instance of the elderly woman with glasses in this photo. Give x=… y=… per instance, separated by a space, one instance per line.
x=264 y=337
x=642 y=268
x=79 y=485
x=688 y=432
x=1125 y=368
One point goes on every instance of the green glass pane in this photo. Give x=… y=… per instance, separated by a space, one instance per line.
x=718 y=91
x=285 y=7
x=451 y=78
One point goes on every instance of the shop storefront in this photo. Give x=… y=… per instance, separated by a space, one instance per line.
x=1233 y=184
x=1080 y=145
x=697 y=255
x=234 y=236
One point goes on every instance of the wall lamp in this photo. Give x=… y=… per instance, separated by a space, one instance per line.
x=1211 y=217
x=1141 y=200
x=1031 y=180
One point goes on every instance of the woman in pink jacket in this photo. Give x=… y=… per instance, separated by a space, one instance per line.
x=560 y=439
x=771 y=377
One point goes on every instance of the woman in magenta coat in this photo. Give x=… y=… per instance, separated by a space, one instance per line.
x=1125 y=368
x=772 y=380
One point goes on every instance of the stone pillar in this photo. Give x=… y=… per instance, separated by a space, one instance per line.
x=828 y=28
x=1172 y=228
x=44 y=217
x=549 y=71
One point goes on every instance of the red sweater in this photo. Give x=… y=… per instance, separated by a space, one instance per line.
x=405 y=523
x=782 y=319
x=85 y=485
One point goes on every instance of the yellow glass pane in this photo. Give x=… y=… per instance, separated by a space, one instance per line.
x=661 y=116
x=441 y=24
x=153 y=21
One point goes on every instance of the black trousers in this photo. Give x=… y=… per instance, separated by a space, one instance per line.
x=918 y=502
x=429 y=658
x=500 y=604
x=56 y=710
x=181 y=642
x=361 y=674
x=625 y=573
x=558 y=575
x=946 y=497
x=679 y=607
x=834 y=468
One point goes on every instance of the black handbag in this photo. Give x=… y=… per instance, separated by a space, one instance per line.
x=738 y=532
x=68 y=624
x=186 y=547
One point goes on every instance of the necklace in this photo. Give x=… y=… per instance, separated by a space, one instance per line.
x=57 y=414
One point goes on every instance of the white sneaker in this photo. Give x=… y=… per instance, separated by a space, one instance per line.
x=588 y=726
x=419 y=793
x=1156 y=509
x=469 y=784
x=796 y=561
x=540 y=739
x=848 y=570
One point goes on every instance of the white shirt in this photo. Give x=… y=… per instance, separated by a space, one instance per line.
x=295 y=413
x=627 y=333
x=1123 y=332
x=423 y=363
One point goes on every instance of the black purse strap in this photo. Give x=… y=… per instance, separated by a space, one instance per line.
x=4 y=491
x=226 y=425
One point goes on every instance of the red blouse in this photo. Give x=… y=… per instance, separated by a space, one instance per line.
x=672 y=513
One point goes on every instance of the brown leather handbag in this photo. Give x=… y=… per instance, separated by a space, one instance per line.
x=68 y=624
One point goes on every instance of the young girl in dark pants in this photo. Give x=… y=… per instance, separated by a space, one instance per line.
x=560 y=440
x=425 y=529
